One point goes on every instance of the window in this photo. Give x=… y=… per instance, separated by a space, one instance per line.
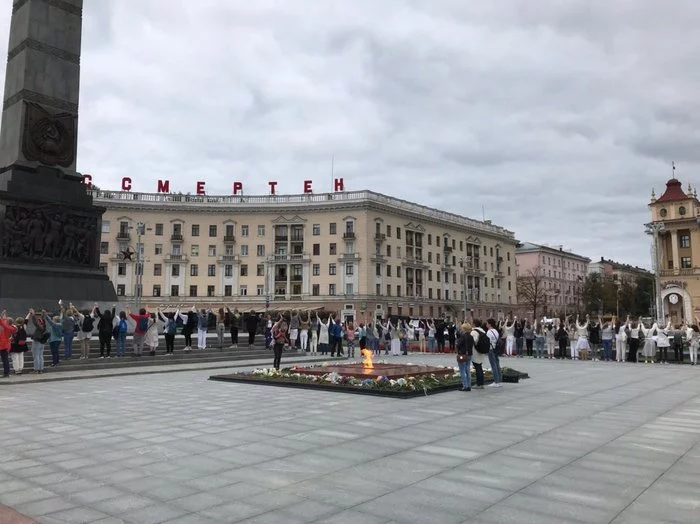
x=378 y=270
x=212 y=251
x=261 y=250
x=430 y=257
x=229 y=230
x=331 y=269
x=194 y=250
x=398 y=291
x=388 y=270
x=194 y=270
x=244 y=250
x=317 y=249
x=430 y=239
x=316 y=230
x=244 y=231
x=349 y=269
x=332 y=249
x=316 y=270
x=211 y=291
x=378 y=289
x=121 y=269
x=261 y=230
x=174 y=291
x=211 y=270
x=228 y=270
x=398 y=233
x=159 y=233
x=260 y=290
x=104 y=248
x=332 y=228
x=159 y=249
x=212 y=231
x=316 y=290
x=388 y=231
x=157 y=270
x=681 y=211
x=683 y=239
x=193 y=291
x=260 y=270
x=388 y=290
x=105 y=226
x=331 y=289
x=195 y=230
x=175 y=271
x=228 y=290
x=348 y=289
x=244 y=270
x=121 y=290
x=156 y=290
x=437 y=241
x=388 y=250
x=686 y=263
x=398 y=271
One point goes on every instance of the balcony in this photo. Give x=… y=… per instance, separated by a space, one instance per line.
x=124 y=235
x=281 y=278
x=297 y=238
x=301 y=257
x=349 y=235
x=499 y=274
x=229 y=239
x=447 y=249
x=414 y=261
x=679 y=272
x=348 y=257
x=281 y=238
x=176 y=237
x=228 y=258
x=379 y=237
x=172 y=258
x=297 y=278
x=378 y=257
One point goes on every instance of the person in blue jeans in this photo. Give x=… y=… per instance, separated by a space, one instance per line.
x=55 y=328
x=122 y=328
x=494 y=360
x=465 y=350
x=68 y=325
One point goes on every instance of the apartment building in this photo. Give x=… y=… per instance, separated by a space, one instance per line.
x=360 y=252
x=561 y=272
x=618 y=271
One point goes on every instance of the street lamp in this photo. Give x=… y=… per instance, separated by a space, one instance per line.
x=140 y=231
x=654 y=229
x=463 y=262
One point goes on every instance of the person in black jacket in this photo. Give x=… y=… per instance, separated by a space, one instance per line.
x=105 y=328
x=465 y=349
x=562 y=337
x=451 y=335
x=251 y=325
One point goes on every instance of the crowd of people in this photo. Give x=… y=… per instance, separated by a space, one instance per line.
x=327 y=333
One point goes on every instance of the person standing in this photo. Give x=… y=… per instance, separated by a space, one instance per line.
x=451 y=336
x=86 y=323
x=39 y=337
x=68 y=324
x=440 y=329
x=313 y=327
x=663 y=342
x=251 y=325
x=509 y=331
x=304 y=331
x=633 y=338
x=142 y=323
x=202 y=326
x=234 y=322
x=55 y=329
x=465 y=349
x=519 y=338
x=169 y=330
x=678 y=343
x=324 y=335
x=151 y=339
x=582 y=345
x=692 y=335
x=350 y=337
x=294 y=324
x=7 y=330
x=432 y=332
x=122 y=328
x=539 y=340
x=421 y=336
x=607 y=333
x=562 y=338
x=105 y=327
x=493 y=335
x=650 y=335
x=529 y=336
x=279 y=335
x=479 y=358
x=620 y=340
x=18 y=345
x=549 y=340
x=220 y=327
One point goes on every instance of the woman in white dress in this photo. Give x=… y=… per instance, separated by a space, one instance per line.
x=395 y=338
x=549 y=341
x=620 y=340
x=650 y=334
x=692 y=334
x=582 y=345
x=323 y=338
x=509 y=332
x=151 y=338
x=663 y=343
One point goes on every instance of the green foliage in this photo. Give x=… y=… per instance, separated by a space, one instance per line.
x=605 y=295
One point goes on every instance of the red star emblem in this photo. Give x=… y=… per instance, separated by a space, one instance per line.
x=127 y=254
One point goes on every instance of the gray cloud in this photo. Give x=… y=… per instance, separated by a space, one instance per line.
x=557 y=117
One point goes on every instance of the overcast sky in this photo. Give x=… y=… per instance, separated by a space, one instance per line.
x=558 y=117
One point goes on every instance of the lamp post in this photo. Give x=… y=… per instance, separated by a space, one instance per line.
x=463 y=262
x=140 y=230
x=654 y=229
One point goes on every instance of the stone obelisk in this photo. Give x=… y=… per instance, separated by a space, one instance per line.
x=49 y=228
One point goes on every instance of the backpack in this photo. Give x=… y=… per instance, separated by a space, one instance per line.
x=483 y=344
x=88 y=324
x=143 y=323
x=122 y=326
x=172 y=328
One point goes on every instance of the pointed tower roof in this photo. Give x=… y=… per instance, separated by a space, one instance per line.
x=674 y=192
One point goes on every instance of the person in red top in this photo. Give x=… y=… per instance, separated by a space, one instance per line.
x=6 y=332
x=142 y=324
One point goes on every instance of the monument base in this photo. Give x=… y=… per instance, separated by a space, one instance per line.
x=49 y=241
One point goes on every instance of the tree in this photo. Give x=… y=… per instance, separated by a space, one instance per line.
x=531 y=291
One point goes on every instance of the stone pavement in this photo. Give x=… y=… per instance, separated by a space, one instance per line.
x=577 y=442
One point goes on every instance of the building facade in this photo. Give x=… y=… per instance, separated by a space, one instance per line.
x=675 y=231
x=361 y=253
x=619 y=273
x=561 y=273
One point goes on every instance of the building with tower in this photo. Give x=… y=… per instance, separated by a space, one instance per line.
x=675 y=230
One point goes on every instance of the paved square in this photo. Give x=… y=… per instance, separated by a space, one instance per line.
x=577 y=442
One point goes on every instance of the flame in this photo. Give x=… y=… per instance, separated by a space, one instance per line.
x=367 y=362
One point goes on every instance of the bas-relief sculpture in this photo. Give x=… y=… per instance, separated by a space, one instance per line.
x=48 y=138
